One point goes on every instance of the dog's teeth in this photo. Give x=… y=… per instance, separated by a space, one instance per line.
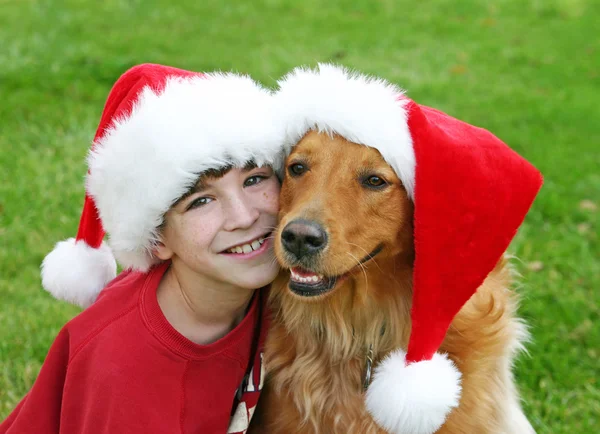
x=312 y=279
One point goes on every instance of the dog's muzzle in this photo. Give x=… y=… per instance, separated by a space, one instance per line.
x=303 y=238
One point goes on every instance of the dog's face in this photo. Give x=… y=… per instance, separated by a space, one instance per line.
x=341 y=206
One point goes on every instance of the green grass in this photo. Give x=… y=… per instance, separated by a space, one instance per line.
x=528 y=71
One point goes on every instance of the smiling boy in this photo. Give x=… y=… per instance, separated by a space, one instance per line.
x=180 y=179
x=221 y=225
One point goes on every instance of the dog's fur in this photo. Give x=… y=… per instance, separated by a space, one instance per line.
x=316 y=350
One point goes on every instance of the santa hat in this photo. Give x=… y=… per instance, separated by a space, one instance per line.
x=160 y=129
x=470 y=192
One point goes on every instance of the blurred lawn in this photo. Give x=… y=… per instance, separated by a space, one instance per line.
x=528 y=71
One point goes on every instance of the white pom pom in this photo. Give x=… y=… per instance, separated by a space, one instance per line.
x=414 y=398
x=76 y=272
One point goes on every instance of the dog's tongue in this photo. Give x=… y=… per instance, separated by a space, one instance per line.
x=300 y=274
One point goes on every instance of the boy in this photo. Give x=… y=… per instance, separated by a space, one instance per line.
x=180 y=179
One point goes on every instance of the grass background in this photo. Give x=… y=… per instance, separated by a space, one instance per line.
x=527 y=70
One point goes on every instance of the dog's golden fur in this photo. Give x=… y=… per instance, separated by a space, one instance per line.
x=315 y=353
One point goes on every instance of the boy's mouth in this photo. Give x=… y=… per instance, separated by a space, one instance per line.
x=248 y=246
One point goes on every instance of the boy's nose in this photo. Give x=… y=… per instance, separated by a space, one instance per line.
x=242 y=214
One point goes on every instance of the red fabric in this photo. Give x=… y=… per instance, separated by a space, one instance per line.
x=120 y=102
x=471 y=194
x=119 y=367
x=90 y=227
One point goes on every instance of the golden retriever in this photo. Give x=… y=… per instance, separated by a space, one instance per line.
x=348 y=300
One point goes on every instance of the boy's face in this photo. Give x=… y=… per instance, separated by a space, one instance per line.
x=221 y=232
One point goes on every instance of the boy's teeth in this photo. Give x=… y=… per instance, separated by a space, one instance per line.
x=247 y=248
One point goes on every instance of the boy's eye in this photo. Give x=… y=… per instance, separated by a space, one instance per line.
x=253 y=180
x=201 y=201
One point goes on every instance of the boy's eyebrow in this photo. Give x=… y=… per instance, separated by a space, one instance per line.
x=196 y=188
x=249 y=166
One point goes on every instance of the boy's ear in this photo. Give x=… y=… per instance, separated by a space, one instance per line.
x=161 y=251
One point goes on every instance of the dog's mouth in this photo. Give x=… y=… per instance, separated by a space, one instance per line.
x=307 y=283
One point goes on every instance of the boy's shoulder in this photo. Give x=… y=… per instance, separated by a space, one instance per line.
x=118 y=299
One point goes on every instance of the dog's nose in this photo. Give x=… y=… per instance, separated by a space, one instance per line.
x=303 y=238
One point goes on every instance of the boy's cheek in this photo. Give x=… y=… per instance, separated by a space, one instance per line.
x=269 y=198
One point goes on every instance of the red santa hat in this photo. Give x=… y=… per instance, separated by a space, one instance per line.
x=470 y=191
x=160 y=129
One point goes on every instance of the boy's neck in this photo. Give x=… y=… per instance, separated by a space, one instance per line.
x=201 y=312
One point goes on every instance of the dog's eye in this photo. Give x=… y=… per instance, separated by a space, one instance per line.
x=374 y=181
x=296 y=169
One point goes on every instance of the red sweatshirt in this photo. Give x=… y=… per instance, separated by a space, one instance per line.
x=120 y=367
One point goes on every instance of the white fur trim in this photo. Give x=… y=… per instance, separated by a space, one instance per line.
x=363 y=109
x=414 y=398
x=147 y=161
x=76 y=272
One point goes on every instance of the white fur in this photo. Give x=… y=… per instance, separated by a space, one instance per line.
x=512 y=416
x=76 y=272
x=362 y=109
x=148 y=160
x=414 y=398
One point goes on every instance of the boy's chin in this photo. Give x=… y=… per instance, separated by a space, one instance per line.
x=257 y=277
